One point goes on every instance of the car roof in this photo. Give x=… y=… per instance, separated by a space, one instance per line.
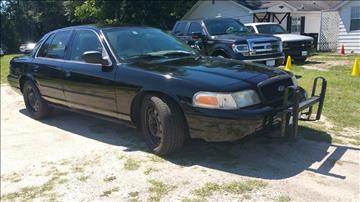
x=97 y=28
x=203 y=19
x=261 y=23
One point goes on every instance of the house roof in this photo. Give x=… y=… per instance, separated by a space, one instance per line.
x=299 y=5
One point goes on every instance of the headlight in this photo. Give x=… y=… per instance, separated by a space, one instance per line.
x=240 y=48
x=226 y=100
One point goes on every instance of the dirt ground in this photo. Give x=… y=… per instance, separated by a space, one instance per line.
x=72 y=157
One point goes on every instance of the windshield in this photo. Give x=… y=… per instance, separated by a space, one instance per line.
x=270 y=29
x=224 y=26
x=149 y=42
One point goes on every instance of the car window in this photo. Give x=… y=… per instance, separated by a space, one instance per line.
x=135 y=42
x=270 y=29
x=84 y=40
x=45 y=47
x=224 y=26
x=251 y=29
x=58 y=45
x=180 y=28
x=195 y=27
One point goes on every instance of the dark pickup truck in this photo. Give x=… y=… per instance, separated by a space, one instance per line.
x=149 y=79
x=227 y=37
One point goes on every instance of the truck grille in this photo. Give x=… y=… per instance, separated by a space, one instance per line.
x=264 y=47
x=272 y=90
x=299 y=44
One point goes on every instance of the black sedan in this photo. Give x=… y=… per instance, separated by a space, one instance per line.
x=149 y=79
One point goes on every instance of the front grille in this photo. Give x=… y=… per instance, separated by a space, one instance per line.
x=264 y=47
x=272 y=90
x=299 y=44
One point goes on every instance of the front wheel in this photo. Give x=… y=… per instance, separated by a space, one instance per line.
x=162 y=124
x=35 y=104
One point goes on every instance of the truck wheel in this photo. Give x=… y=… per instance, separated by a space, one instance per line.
x=35 y=104
x=162 y=124
x=221 y=55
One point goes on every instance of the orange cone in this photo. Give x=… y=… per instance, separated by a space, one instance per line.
x=288 y=65
x=342 y=50
x=355 y=69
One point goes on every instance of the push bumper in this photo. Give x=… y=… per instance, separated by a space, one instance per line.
x=220 y=125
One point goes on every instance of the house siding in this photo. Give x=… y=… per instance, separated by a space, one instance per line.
x=350 y=39
x=206 y=9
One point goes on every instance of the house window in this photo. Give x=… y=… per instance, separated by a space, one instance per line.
x=355 y=18
x=295 y=24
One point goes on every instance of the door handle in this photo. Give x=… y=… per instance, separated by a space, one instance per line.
x=67 y=73
x=36 y=68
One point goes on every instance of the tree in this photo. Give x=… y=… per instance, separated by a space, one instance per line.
x=23 y=20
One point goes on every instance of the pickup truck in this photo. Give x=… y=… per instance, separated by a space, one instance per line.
x=228 y=38
x=299 y=47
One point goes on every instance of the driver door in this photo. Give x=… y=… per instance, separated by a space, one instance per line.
x=89 y=87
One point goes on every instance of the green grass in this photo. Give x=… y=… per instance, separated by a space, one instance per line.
x=342 y=105
x=282 y=198
x=5 y=66
x=159 y=189
x=131 y=164
x=326 y=56
x=236 y=188
x=109 y=192
x=31 y=192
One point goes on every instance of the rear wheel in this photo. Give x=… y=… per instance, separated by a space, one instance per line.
x=35 y=104
x=162 y=124
x=221 y=55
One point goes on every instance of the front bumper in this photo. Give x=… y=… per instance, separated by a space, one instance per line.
x=222 y=125
x=298 y=52
x=262 y=59
x=227 y=126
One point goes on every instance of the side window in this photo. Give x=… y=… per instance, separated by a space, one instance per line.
x=195 y=27
x=180 y=28
x=84 y=41
x=45 y=47
x=58 y=45
x=355 y=18
x=251 y=29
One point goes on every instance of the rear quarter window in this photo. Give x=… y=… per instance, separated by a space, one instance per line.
x=55 y=45
x=180 y=28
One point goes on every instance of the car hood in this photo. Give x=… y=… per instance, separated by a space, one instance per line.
x=244 y=36
x=211 y=71
x=293 y=37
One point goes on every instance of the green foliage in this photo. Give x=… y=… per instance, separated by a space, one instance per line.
x=25 y=21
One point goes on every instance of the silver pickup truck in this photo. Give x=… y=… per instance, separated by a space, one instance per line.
x=299 y=47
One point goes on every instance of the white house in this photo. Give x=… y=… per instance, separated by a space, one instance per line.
x=332 y=23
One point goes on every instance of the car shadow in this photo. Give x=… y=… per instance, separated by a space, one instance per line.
x=254 y=156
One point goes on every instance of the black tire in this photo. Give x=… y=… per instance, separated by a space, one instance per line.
x=162 y=125
x=35 y=104
x=221 y=55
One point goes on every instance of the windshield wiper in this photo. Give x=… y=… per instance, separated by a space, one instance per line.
x=144 y=56
x=176 y=53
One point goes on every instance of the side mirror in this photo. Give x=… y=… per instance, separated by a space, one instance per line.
x=95 y=57
x=197 y=36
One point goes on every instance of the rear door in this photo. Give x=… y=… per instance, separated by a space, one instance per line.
x=88 y=86
x=48 y=66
